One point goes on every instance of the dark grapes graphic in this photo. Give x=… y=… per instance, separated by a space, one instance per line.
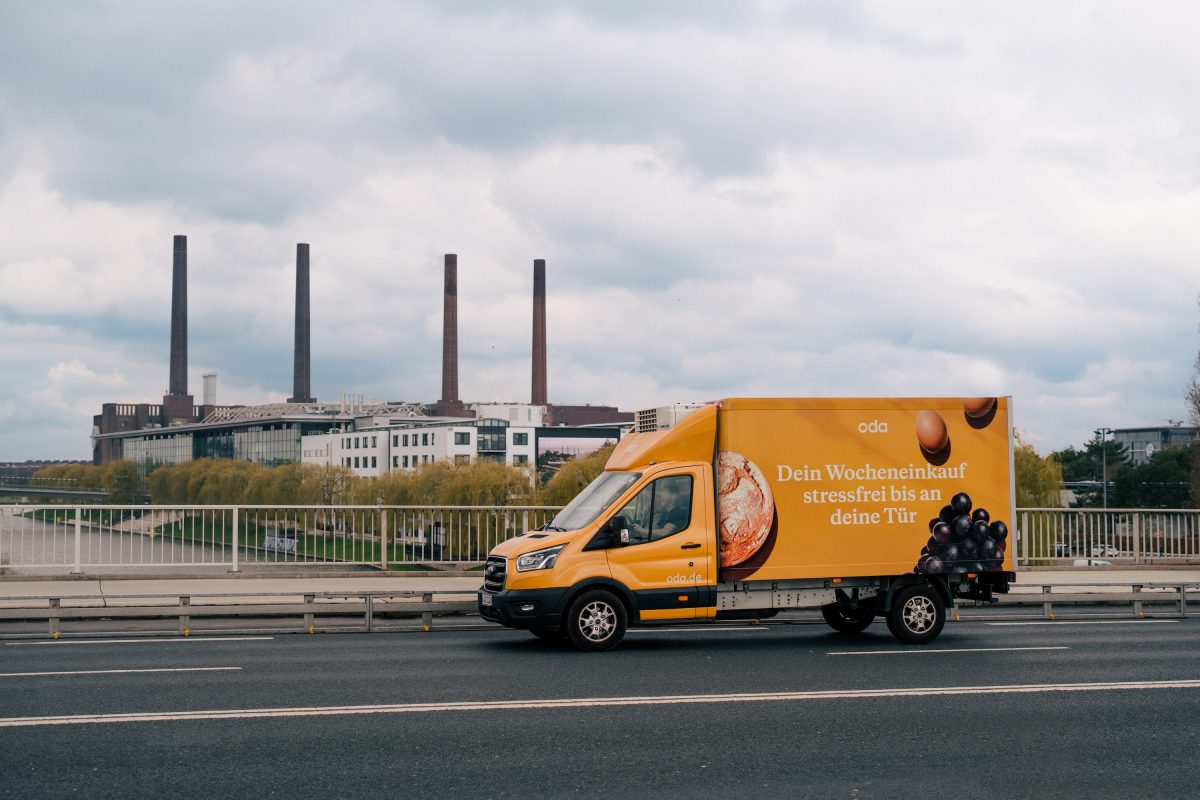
x=963 y=540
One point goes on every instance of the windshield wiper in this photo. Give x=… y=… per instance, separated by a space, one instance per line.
x=549 y=527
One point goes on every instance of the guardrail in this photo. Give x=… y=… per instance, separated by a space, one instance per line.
x=310 y=607
x=313 y=610
x=1057 y=536
x=386 y=537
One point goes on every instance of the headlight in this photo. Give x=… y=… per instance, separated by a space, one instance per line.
x=539 y=559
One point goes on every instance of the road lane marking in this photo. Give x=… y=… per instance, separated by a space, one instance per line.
x=699 y=629
x=147 y=640
x=115 y=671
x=589 y=702
x=916 y=650
x=1093 y=622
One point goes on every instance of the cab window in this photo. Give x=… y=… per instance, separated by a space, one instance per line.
x=661 y=509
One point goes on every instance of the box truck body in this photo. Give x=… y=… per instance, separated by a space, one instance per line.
x=864 y=507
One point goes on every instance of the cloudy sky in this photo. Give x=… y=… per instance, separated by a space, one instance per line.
x=819 y=198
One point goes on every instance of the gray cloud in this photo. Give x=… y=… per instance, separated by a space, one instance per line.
x=818 y=198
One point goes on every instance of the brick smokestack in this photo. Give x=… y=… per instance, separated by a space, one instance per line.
x=177 y=403
x=450 y=333
x=178 y=383
x=302 y=368
x=539 y=332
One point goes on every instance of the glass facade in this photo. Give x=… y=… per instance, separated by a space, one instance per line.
x=268 y=443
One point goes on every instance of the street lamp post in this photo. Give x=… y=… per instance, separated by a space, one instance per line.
x=1103 y=434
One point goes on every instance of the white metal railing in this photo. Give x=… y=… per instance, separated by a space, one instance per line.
x=1049 y=536
x=83 y=537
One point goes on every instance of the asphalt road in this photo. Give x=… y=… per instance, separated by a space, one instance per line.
x=993 y=709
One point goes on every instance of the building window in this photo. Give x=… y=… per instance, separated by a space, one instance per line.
x=395 y=461
x=462 y=458
x=432 y=437
x=520 y=438
x=406 y=440
x=395 y=440
x=462 y=437
x=521 y=459
x=424 y=439
x=355 y=442
x=356 y=462
x=406 y=462
x=424 y=459
x=374 y=462
x=374 y=441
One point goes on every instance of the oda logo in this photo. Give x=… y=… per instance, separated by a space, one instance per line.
x=874 y=426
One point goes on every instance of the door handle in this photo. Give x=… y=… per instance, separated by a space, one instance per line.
x=689 y=546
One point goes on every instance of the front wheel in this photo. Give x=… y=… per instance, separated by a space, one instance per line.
x=596 y=621
x=917 y=616
x=847 y=620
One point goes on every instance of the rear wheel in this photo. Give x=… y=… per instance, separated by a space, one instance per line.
x=847 y=620
x=596 y=621
x=917 y=616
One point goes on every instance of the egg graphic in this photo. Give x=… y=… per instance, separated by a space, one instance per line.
x=976 y=407
x=931 y=431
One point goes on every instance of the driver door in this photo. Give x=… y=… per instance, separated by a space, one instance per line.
x=665 y=561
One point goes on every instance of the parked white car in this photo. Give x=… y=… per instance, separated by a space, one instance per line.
x=1100 y=550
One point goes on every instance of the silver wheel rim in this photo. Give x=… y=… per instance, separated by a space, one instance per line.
x=919 y=614
x=597 y=621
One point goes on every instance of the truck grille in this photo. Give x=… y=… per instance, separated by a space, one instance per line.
x=495 y=573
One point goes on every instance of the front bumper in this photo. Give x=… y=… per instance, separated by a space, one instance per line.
x=523 y=608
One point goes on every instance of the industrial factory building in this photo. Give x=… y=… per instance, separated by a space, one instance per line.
x=400 y=435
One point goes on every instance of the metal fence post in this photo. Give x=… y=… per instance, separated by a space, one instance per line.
x=54 y=603
x=383 y=540
x=1137 y=604
x=309 y=617
x=235 y=540
x=1183 y=599
x=368 y=612
x=185 y=620
x=427 y=614
x=1047 y=607
x=1139 y=555
x=78 y=568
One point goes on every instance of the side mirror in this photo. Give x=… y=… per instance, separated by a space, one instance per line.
x=618 y=530
x=612 y=533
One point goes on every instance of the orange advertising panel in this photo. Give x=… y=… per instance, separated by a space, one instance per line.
x=826 y=487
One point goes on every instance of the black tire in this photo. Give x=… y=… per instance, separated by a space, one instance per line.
x=917 y=616
x=596 y=621
x=548 y=635
x=847 y=620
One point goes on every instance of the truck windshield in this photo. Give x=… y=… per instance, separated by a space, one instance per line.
x=598 y=496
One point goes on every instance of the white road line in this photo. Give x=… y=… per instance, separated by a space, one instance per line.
x=115 y=671
x=916 y=650
x=147 y=640
x=591 y=702
x=1093 y=622
x=700 y=629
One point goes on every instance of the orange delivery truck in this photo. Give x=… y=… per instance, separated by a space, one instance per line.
x=864 y=508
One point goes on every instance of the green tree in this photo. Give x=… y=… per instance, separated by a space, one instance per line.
x=1087 y=464
x=123 y=481
x=574 y=476
x=1162 y=482
x=1038 y=479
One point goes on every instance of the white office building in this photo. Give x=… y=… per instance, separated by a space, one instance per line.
x=377 y=450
